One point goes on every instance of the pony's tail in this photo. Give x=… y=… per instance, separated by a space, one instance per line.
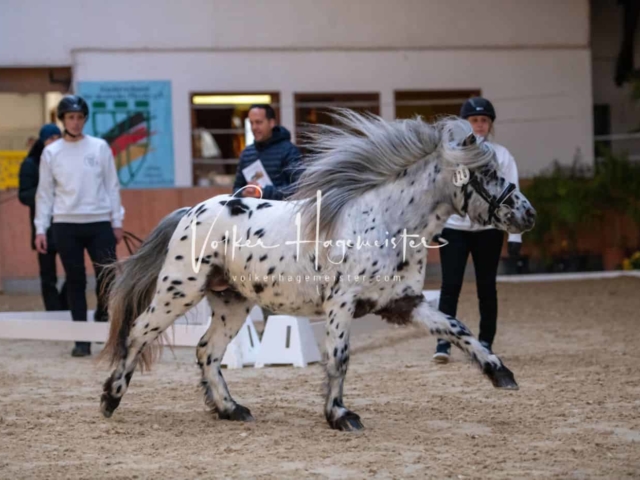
x=133 y=287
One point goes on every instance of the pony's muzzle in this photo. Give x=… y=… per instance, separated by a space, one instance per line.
x=529 y=218
x=518 y=221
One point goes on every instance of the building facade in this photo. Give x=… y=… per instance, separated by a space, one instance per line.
x=392 y=57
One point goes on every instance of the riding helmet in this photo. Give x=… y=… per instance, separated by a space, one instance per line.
x=72 y=103
x=478 y=106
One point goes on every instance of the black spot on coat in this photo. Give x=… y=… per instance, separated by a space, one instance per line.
x=236 y=206
x=363 y=307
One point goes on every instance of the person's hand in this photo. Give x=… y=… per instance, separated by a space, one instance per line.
x=252 y=190
x=513 y=248
x=247 y=192
x=41 y=243
x=119 y=234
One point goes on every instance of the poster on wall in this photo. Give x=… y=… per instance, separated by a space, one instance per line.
x=135 y=120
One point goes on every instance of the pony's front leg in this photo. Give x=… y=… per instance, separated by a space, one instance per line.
x=337 y=345
x=453 y=330
x=229 y=312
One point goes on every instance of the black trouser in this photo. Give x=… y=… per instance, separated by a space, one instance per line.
x=53 y=300
x=485 y=247
x=71 y=241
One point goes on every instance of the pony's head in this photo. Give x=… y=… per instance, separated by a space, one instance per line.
x=482 y=194
x=365 y=152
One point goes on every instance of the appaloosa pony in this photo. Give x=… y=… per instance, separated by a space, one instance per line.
x=352 y=241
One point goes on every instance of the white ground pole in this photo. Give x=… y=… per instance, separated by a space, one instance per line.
x=564 y=277
x=58 y=326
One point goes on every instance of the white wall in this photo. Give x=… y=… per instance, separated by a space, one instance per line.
x=542 y=97
x=44 y=34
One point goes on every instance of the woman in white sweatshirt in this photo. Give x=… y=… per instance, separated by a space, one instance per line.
x=483 y=243
x=79 y=197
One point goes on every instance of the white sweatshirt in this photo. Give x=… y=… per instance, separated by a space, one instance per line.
x=78 y=184
x=506 y=168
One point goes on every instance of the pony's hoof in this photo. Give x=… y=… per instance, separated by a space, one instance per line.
x=349 y=422
x=108 y=404
x=238 y=414
x=501 y=377
x=107 y=413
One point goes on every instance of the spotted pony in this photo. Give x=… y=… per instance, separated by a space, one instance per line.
x=352 y=241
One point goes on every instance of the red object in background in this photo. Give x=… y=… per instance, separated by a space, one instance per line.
x=129 y=138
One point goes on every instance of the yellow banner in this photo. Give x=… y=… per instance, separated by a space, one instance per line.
x=10 y=161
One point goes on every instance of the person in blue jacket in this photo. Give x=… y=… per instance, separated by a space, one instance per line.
x=273 y=147
x=54 y=300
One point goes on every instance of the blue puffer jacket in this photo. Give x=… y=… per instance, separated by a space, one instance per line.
x=281 y=160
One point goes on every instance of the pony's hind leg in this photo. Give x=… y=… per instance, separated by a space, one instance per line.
x=453 y=330
x=229 y=311
x=173 y=298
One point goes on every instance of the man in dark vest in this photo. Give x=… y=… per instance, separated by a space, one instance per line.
x=280 y=159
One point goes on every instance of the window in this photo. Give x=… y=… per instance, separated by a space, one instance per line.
x=313 y=109
x=220 y=131
x=431 y=104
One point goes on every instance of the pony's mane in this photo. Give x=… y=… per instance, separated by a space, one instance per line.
x=364 y=151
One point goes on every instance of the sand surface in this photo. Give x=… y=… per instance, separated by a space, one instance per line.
x=574 y=348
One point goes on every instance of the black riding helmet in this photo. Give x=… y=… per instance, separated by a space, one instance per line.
x=478 y=106
x=72 y=103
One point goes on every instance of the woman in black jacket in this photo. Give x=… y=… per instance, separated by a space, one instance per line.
x=29 y=176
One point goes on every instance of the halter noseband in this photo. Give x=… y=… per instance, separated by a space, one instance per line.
x=494 y=203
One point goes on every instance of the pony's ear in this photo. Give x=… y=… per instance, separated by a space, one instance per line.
x=470 y=140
